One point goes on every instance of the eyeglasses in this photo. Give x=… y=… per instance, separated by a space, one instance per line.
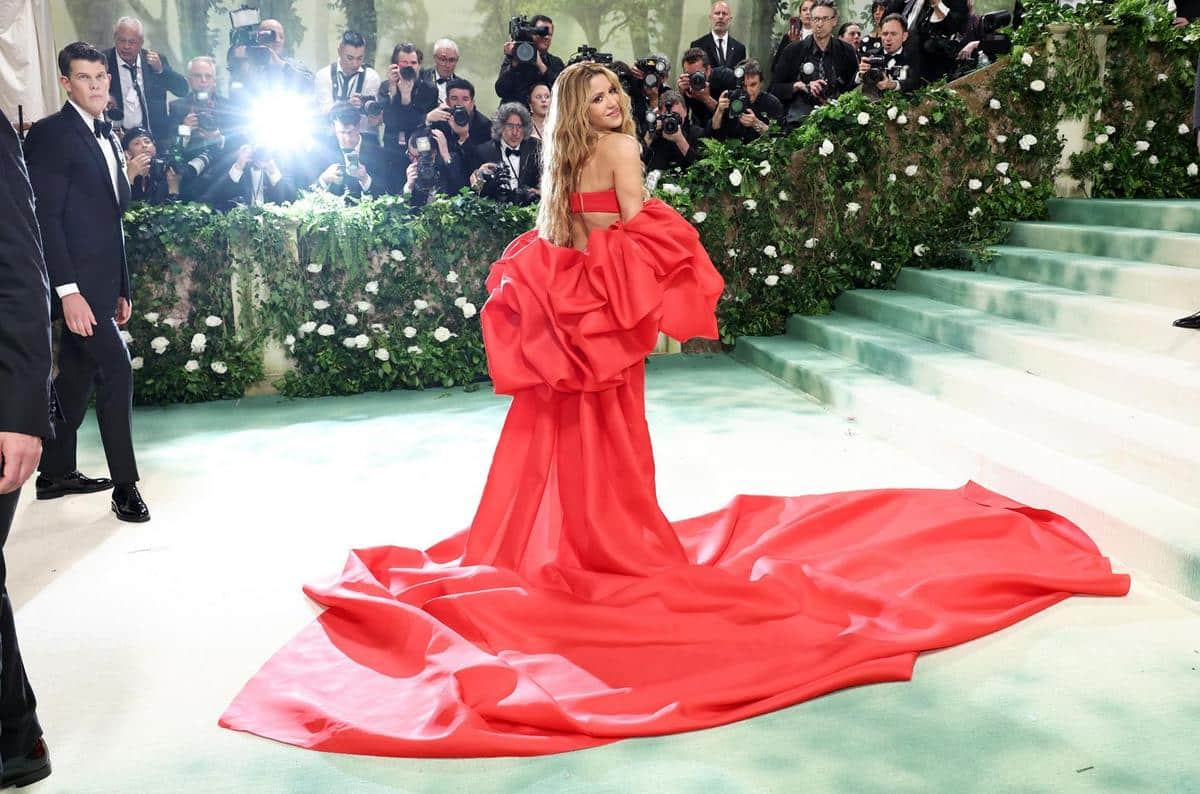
x=446 y=58
x=517 y=126
x=815 y=18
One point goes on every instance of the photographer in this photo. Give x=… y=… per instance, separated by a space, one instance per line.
x=357 y=165
x=693 y=86
x=407 y=98
x=527 y=58
x=464 y=127
x=253 y=179
x=445 y=62
x=799 y=27
x=202 y=110
x=672 y=141
x=430 y=167
x=257 y=65
x=758 y=108
x=508 y=168
x=150 y=179
x=889 y=68
x=936 y=26
x=140 y=80
x=814 y=70
x=348 y=80
x=644 y=82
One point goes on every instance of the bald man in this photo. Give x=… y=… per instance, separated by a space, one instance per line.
x=722 y=48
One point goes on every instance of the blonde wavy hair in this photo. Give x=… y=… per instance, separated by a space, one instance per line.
x=568 y=142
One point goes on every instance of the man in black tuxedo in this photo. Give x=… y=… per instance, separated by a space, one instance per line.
x=140 y=80
x=513 y=154
x=440 y=75
x=24 y=423
x=722 y=49
x=355 y=164
x=933 y=26
x=461 y=138
x=78 y=176
x=816 y=69
x=250 y=178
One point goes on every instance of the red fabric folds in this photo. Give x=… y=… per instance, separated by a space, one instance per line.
x=573 y=613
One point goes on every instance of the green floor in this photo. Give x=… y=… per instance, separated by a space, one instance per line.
x=137 y=636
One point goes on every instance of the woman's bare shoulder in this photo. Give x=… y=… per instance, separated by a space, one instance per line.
x=618 y=144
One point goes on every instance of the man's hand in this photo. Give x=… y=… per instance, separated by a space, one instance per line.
x=355 y=100
x=439 y=113
x=154 y=61
x=360 y=173
x=138 y=165
x=78 y=315
x=968 y=51
x=864 y=66
x=410 y=177
x=886 y=84
x=174 y=182
x=817 y=88
x=192 y=120
x=723 y=102
x=19 y=456
x=331 y=175
x=678 y=139
x=749 y=119
x=799 y=87
x=539 y=63
x=1181 y=22
x=684 y=84
x=439 y=138
x=245 y=152
x=124 y=310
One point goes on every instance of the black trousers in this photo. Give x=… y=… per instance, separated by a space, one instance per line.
x=19 y=727
x=99 y=362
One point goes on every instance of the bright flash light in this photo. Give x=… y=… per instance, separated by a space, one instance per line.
x=283 y=122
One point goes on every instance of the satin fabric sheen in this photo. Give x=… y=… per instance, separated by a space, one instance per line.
x=573 y=613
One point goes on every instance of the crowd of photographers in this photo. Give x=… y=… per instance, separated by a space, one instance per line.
x=415 y=129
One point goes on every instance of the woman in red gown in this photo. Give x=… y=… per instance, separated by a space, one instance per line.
x=572 y=612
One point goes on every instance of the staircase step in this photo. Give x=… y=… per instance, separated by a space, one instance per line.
x=1160 y=285
x=1137 y=325
x=1164 y=248
x=1159 y=384
x=1179 y=215
x=1140 y=446
x=1139 y=526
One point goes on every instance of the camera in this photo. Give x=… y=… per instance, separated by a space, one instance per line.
x=739 y=97
x=671 y=122
x=884 y=66
x=522 y=32
x=427 y=172
x=158 y=170
x=654 y=70
x=372 y=106
x=461 y=116
x=590 y=55
x=698 y=81
x=245 y=33
x=993 y=43
x=869 y=47
x=408 y=73
x=494 y=184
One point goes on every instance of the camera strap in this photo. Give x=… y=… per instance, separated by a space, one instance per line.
x=341 y=87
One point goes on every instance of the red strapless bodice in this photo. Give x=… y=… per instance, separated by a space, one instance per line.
x=596 y=201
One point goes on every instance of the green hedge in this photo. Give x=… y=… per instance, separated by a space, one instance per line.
x=377 y=295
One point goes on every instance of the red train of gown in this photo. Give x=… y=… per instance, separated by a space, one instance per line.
x=573 y=613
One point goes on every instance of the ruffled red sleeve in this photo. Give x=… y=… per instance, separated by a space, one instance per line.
x=577 y=320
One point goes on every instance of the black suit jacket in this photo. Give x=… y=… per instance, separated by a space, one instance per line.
x=156 y=84
x=529 y=169
x=790 y=68
x=78 y=212
x=224 y=194
x=25 y=296
x=515 y=82
x=735 y=51
x=372 y=157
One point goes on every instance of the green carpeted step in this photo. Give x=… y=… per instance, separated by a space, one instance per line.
x=1139 y=526
x=1134 y=444
x=1159 y=384
x=1160 y=285
x=1176 y=215
x=1164 y=248
x=1127 y=323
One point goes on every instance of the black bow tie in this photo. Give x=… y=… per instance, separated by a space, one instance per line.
x=102 y=128
x=443 y=80
x=513 y=152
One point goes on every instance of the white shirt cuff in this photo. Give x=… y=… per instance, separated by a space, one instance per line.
x=63 y=290
x=942 y=9
x=366 y=183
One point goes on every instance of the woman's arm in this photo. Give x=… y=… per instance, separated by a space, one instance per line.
x=624 y=154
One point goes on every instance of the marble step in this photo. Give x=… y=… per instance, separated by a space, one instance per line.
x=1171 y=215
x=1141 y=245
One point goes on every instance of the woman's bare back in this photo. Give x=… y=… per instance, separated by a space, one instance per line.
x=596 y=176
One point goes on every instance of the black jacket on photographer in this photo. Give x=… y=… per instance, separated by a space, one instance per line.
x=400 y=118
x=479 y=133
x=906 y=62
x=837 y=65
x=223 y=117
x=528 y=161
x=451 y=177
x=515 y=82
x=767 y=108
x=372 y=158
x=663 y=154
x=155 y=86
x=936 y=44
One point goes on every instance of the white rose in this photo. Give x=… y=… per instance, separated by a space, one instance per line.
x=922 y=120
x=173 y=322
x=137 y=362
x=1001 y=139
x=362 y=341
x=974 y=184
x=826 y=148
x=852 y=207
x=1110 y=129
x=1002 y=167
x=348 y=342
x=750 y=204
x=151 y=317
x=1038 y=86
x=994 y=103
x=920 y=249
x=363 y=306
x=910 y=170
x=1141 y=146
x=415 y=349
x=1128 y=104
x=199 y=341
x=378 y=327
x=902 y=119
x=325 y=330
x=752 y=271
x=382 y=354
x=192 y=365
x=420 y=304
x=460 y=301
x=1026 y=59
x=652 y=179
x=735 y=177
x=213 y=321
x=409 y=331
x=1006 y=181
x=1183 y=130
x=452 y=277
x=397 y=255
x=771 y=280
x=1193 y=169
x=469 y=310
x=314 y=267
x=372 y=287
x=1162 y=78
x=876 y=265
x=1150 y=125
x=770 y=251
x=786 y=270
x=891 y=178
x=308 y=327
x=975 y=211
x=732 y=252
x=1107 y=166
x=289 y=340
x=783 y=195
x=1154 y=159
x=864 y=118
x=1027 y=142
x=764 y=168
x=671 y=189
x=1025 y=184
x=126 y=337
x=1102 y=139
x=351 y=319
x=852 y=157
x=810 y=243
x=320 y=305
x=219 y=367
x=698 y=217
x=892 y=112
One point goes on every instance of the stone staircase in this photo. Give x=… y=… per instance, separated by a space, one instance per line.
x=1051 y=373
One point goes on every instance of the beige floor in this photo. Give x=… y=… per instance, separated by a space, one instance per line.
x=137 y=636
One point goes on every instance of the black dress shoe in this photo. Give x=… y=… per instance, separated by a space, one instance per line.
x=128 y=505
x=70 y=483
x=1191 y=321
x=27 y=769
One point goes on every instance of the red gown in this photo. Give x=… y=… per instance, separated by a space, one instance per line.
x=573 y=613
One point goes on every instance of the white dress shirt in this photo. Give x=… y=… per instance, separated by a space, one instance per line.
x=129 y=93
x=113 y=163
x=722 y=43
